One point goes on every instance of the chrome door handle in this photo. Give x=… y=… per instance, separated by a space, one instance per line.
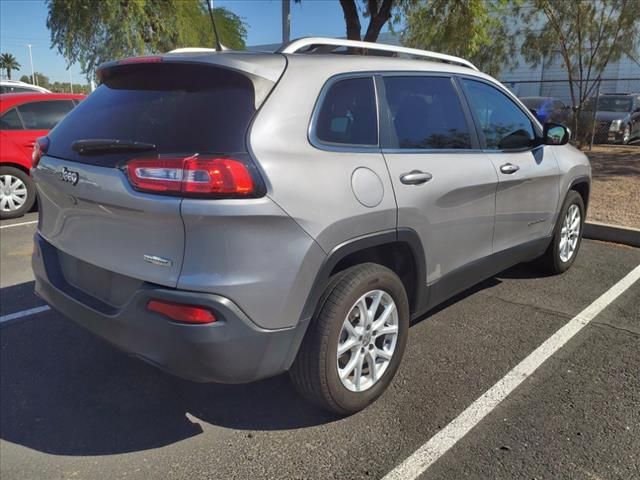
x=509 y=168
x=415 y=177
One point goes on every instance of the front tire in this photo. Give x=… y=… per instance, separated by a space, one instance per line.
x=355 y=341
x=17 y=193
x=567 y=235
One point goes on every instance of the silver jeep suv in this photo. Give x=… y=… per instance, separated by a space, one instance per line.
x=230 y=216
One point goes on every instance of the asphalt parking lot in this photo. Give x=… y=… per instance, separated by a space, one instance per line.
x=74 y=407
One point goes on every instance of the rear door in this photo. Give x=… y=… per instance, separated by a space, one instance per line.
x=444 y=185
x=89 y=208
x=528 y=189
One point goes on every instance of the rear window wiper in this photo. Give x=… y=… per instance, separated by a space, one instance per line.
x=95 y=146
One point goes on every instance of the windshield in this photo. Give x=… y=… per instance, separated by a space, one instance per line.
x=533 y=102
x=178 y=108
x=614 y=104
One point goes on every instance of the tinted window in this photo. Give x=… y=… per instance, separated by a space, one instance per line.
x=348 y=113
x=10 y=121
x=504 y=125
x=426 y=113
x=44 y=115
x=182 y=109
x=614 y=104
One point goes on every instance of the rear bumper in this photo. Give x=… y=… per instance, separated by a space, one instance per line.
x=231 y=350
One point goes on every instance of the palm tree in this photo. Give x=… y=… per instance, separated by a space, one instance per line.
x=8 y=62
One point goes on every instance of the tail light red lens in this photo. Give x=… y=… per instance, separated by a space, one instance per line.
x=195 y=176
x=182 y=313
x=39 y=149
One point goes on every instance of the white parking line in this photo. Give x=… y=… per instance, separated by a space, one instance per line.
x=18 y=224
x=23 y=313
x=439 y=444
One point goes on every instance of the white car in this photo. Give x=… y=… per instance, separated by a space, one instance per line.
x=16 y=86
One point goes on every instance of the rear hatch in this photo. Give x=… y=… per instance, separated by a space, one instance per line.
x=154 y=114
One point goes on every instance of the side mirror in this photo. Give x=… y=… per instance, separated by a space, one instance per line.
x=555 y=134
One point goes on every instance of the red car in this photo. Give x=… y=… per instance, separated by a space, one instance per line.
x=23 y=118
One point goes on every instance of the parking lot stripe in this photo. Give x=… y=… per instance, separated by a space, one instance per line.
x=23 y=313
x=18 y=224
x=439 y=444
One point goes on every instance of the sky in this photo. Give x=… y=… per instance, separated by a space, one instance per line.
x=25 y=21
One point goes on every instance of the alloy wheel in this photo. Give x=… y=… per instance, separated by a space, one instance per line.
x=570 y=233
x=367 y=340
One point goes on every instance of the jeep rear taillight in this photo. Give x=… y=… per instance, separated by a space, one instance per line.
x=40 y=147
x=195 y=176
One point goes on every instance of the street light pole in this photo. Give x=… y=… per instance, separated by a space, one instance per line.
x=286 y=21
x=70 y=81
x=33 y=77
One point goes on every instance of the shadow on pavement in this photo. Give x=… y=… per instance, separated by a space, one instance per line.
x=65 y=392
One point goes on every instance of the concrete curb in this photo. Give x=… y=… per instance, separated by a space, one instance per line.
x=612 y=233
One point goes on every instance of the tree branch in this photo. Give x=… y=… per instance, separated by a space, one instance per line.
x=351 y=18
x=377 y=19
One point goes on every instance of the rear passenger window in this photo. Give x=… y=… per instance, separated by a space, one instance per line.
x=44 y=115
x=10 y=121
x=504 y=125
x=348 y=113
x=426 y=113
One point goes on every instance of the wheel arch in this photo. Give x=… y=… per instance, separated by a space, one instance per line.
x=16 y=165
x=399 y=250
x=582 y=185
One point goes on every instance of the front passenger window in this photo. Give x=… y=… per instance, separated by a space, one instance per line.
x=503 y=124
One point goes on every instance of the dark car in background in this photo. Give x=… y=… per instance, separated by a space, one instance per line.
x=548 y=109
x=617 y=117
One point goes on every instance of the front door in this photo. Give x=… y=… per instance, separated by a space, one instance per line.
x=528 y=173
x=444 y=186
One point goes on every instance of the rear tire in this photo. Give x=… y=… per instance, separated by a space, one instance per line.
x=567 y=236
x=17 y=193
x=372 y=344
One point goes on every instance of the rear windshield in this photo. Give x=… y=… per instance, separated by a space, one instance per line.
x=181 y=108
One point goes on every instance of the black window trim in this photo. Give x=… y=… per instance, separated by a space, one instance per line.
x=510 y=96
x=386 y=121
x=343 y=147
x=15 y=107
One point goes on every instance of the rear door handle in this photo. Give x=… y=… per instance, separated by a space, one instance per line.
x=415 y=177
x=509 y=168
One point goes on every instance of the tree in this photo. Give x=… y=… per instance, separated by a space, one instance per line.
x=41 y=80
x=473 y=29
x=8 y=62
x=95 y=32
x=379 y=12
x=587 y=35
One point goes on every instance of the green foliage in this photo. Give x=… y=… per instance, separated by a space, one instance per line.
x=588 y=35
x=95 y=32
x=8 y=62
x=474 y=29
x=56 y=87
